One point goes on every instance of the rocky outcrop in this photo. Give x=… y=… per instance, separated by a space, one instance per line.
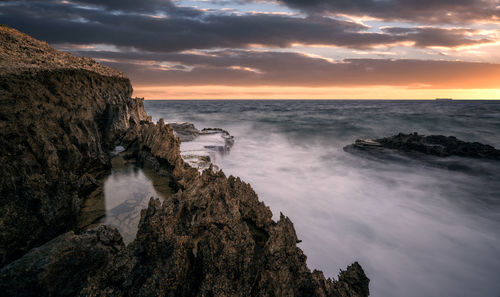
x=436 y=145
x=185 y=131
x=21 y=53
x=58 y=126
x=62 y=266
x=201 y=149
x=216 y=239
x=59 y=115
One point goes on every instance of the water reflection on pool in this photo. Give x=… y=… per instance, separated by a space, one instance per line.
x=124 y=193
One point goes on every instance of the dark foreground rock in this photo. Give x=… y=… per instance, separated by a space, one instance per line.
x=436 y=145
x=60 y=121
x=216 y=239
x=62 y=266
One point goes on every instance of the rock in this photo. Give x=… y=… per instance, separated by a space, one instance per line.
x=436 y=145
x=216 y=239
x=353 y=282
x=61 y=266
x=19 y=52
x=201 y=149
x=59 y=117
x=185 y=131
x=366 y=143
x=59 y=124
x=228 y=140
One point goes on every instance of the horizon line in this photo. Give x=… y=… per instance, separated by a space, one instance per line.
x=311 y=99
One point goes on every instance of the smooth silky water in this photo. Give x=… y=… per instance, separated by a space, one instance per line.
x=121 y=196
x=417 y=229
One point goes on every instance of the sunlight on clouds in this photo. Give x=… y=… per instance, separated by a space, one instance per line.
x=249 y=69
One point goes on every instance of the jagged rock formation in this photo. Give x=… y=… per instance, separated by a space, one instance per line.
x=225 y=244
x=59 y=123
x=436 y=145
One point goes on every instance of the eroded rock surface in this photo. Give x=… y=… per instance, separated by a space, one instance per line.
x=217 y=239
x=59 y=126
x=59 y=116
x=61 y=266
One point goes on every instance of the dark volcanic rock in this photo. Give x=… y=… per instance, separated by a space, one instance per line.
x=59 y=122
x=436 y=145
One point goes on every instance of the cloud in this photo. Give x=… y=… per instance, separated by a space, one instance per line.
x=431 y=36
x=421 y=11
x=251 y=68
x=174 y=31
x=129 y=5
x=159 y=43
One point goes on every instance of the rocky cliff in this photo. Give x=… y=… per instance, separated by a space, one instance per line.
x=60 y=116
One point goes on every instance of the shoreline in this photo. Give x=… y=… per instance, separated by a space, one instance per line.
x=212 y=237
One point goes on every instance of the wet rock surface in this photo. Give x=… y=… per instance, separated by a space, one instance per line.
x=435 y=145
x=202 y=148
x=211 y=237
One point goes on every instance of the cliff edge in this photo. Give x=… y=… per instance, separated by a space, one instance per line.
x=60 y=116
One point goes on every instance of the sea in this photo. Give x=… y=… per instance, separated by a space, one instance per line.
x=419 y=228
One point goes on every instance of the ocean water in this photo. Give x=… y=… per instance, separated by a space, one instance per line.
x=417 y=229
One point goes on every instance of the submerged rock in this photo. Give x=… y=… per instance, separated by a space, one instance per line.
x=60 y=125
x=436 y=145
x=201 y=149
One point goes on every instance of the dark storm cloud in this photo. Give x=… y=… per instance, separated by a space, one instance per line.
x=248 y=68
x=68 y=23
x=144 y=6
x=422 y=11
x=65 y=23
x=130 y=5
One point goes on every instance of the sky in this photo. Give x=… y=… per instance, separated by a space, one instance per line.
x=280 y=49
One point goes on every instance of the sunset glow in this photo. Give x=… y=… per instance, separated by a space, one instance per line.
x=380 y=92
x=286 y=49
